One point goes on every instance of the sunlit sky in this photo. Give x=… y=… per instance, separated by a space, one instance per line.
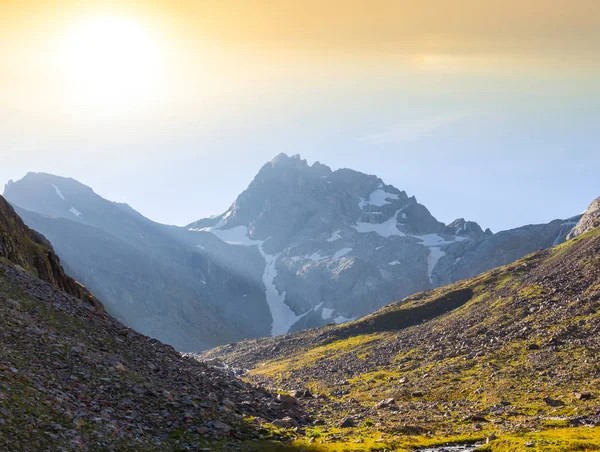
x=488 y=110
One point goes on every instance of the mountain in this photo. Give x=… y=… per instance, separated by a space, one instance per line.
x=337 y=245
x=301 y=247
x=152 y=277
x=31 y=252
x=508 y=357
x=74 y=378
x=589 y=220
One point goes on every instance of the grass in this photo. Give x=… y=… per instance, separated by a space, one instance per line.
x=284 y=367
x=553 y=440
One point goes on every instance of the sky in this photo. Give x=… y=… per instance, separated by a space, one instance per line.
x=484 y=110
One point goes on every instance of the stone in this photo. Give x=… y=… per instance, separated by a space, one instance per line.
x=583 y=395
x=287 y=401
x=301 y=394
x=347 y=423
x=385 y=403
x=221 y=426
x=228 y=404
x=286 y=422
x=553 y=402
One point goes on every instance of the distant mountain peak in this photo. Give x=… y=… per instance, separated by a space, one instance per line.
x=462 y=227
x=7 y=187
x=294 y=162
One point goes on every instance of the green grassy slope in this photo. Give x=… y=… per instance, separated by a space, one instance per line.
x=511 y=351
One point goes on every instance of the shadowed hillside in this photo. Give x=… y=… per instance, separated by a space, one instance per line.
x=74 y=378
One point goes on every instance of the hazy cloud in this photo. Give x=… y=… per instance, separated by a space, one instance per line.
x=416 y=129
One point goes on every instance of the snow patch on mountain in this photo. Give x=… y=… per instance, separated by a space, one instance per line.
x=317 y=257
x=233 y=236
x=75 y=212
x=335 y=236
x=435 y=254
x=59 y=193
x=283 y=316
x=326 y=313
x=386 y=229
x=341 y=253
x=378 y=198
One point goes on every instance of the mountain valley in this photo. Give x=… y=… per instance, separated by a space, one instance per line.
x=503 y=361
x=302 y=247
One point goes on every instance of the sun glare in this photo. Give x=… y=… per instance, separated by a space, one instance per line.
x=110 y=64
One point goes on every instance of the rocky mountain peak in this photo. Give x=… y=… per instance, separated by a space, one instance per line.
x=461 y=227
x=7 y=187
x=337 y=244
x=589 y=220
x=51 y=195
x=288 y=196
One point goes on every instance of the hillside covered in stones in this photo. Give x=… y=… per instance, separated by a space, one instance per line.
x=74 y=378
x=509 y=357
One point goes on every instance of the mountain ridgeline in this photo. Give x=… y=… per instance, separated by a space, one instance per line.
x=301 y=247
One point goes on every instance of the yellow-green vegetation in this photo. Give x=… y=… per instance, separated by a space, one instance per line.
x=555 y=440
x=282 y=368
x=551 y=440
x=510 y=354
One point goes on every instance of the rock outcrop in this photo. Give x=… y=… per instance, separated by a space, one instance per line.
x=31 y=251
x=589 y=220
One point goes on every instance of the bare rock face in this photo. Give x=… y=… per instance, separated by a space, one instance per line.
x=31 y=251
x=590 y=220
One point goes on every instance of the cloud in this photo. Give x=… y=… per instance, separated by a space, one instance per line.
x=420 y=128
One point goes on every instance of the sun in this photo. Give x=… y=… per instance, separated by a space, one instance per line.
x=110 y=64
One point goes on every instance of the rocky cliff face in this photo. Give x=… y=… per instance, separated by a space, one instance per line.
x=340 y=244
x=31 y=251
x=589 y=220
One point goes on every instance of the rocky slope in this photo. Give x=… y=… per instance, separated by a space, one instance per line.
x=510 y=355
x=74 y=378
x=152 y=277
x=337 y=245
